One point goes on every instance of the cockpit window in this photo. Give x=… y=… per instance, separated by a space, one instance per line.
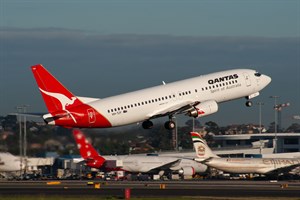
x=257 y=74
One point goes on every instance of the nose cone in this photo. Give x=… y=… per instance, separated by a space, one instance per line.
x=267 y=80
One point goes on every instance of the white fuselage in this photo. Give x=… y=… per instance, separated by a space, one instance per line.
x=10 y=163
x=144 y=164
x=251 y=165
x=157 y=101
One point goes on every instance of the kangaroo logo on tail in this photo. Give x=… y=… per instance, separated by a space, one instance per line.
x=64 y=101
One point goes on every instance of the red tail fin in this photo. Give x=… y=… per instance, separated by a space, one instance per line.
x=87 y=151
x=55 y=95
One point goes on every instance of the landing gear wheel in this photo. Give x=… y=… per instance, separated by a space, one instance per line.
x=147 y=124
x=170 y=125
x=249 y=103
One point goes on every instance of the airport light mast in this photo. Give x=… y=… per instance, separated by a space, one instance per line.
x=275 y=121
x=278 y=108
x=22 y=138
x=25 y=138
x=259 y=105
x=19 y=109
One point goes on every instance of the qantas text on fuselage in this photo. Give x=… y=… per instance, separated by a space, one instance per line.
x=196 y=97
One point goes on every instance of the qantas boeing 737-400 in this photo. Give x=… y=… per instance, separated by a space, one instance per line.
x=196 y=97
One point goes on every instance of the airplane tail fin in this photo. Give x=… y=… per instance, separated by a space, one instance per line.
x=55 y=95
x=87 y=151
x=203 y=151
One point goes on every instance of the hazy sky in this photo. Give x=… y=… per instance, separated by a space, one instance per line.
x=103 y=48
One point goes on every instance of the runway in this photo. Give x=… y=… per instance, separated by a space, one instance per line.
x=228 y=188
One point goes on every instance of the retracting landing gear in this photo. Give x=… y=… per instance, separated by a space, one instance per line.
x=249 y=103
x=147 y=124
x=170 y=125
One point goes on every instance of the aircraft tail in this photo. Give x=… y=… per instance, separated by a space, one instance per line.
x=87 y=151
x=55 y=95
x=203 y=151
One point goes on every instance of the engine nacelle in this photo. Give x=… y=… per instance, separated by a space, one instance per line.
x=187 y=171
x=203 y=109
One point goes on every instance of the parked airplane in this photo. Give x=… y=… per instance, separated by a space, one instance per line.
x=195 y=97
x=241 y=165
x=10 y=163
x=135 y=163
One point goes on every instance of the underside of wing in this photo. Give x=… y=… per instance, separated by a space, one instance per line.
x=174 y=109
x=166 y=166
x=285 y=170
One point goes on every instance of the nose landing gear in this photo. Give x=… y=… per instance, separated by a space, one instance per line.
x=249 y=103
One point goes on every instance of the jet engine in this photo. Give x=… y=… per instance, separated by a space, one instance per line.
x=187 y=171
x=203 y=109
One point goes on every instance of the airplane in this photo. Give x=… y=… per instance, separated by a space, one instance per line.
x=196 y=97
x=241 y=165
x=135 y=163
x=10 y=163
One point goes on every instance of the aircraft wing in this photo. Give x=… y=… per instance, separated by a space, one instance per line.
x=284 y=170
x=182 y=107
x=166 y=166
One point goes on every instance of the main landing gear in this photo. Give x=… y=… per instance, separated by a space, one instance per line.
x=147 y=124
x=170 y=125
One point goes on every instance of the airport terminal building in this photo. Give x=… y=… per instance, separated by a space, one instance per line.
x=286 y=142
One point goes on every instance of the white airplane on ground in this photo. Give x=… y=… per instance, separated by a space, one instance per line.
x=10 y=163
x=241 y=165
x=135 y=163
x=195 y=97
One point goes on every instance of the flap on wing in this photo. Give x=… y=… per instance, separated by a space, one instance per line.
x=285 y=169
x=168 y=165
x=174 y=109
